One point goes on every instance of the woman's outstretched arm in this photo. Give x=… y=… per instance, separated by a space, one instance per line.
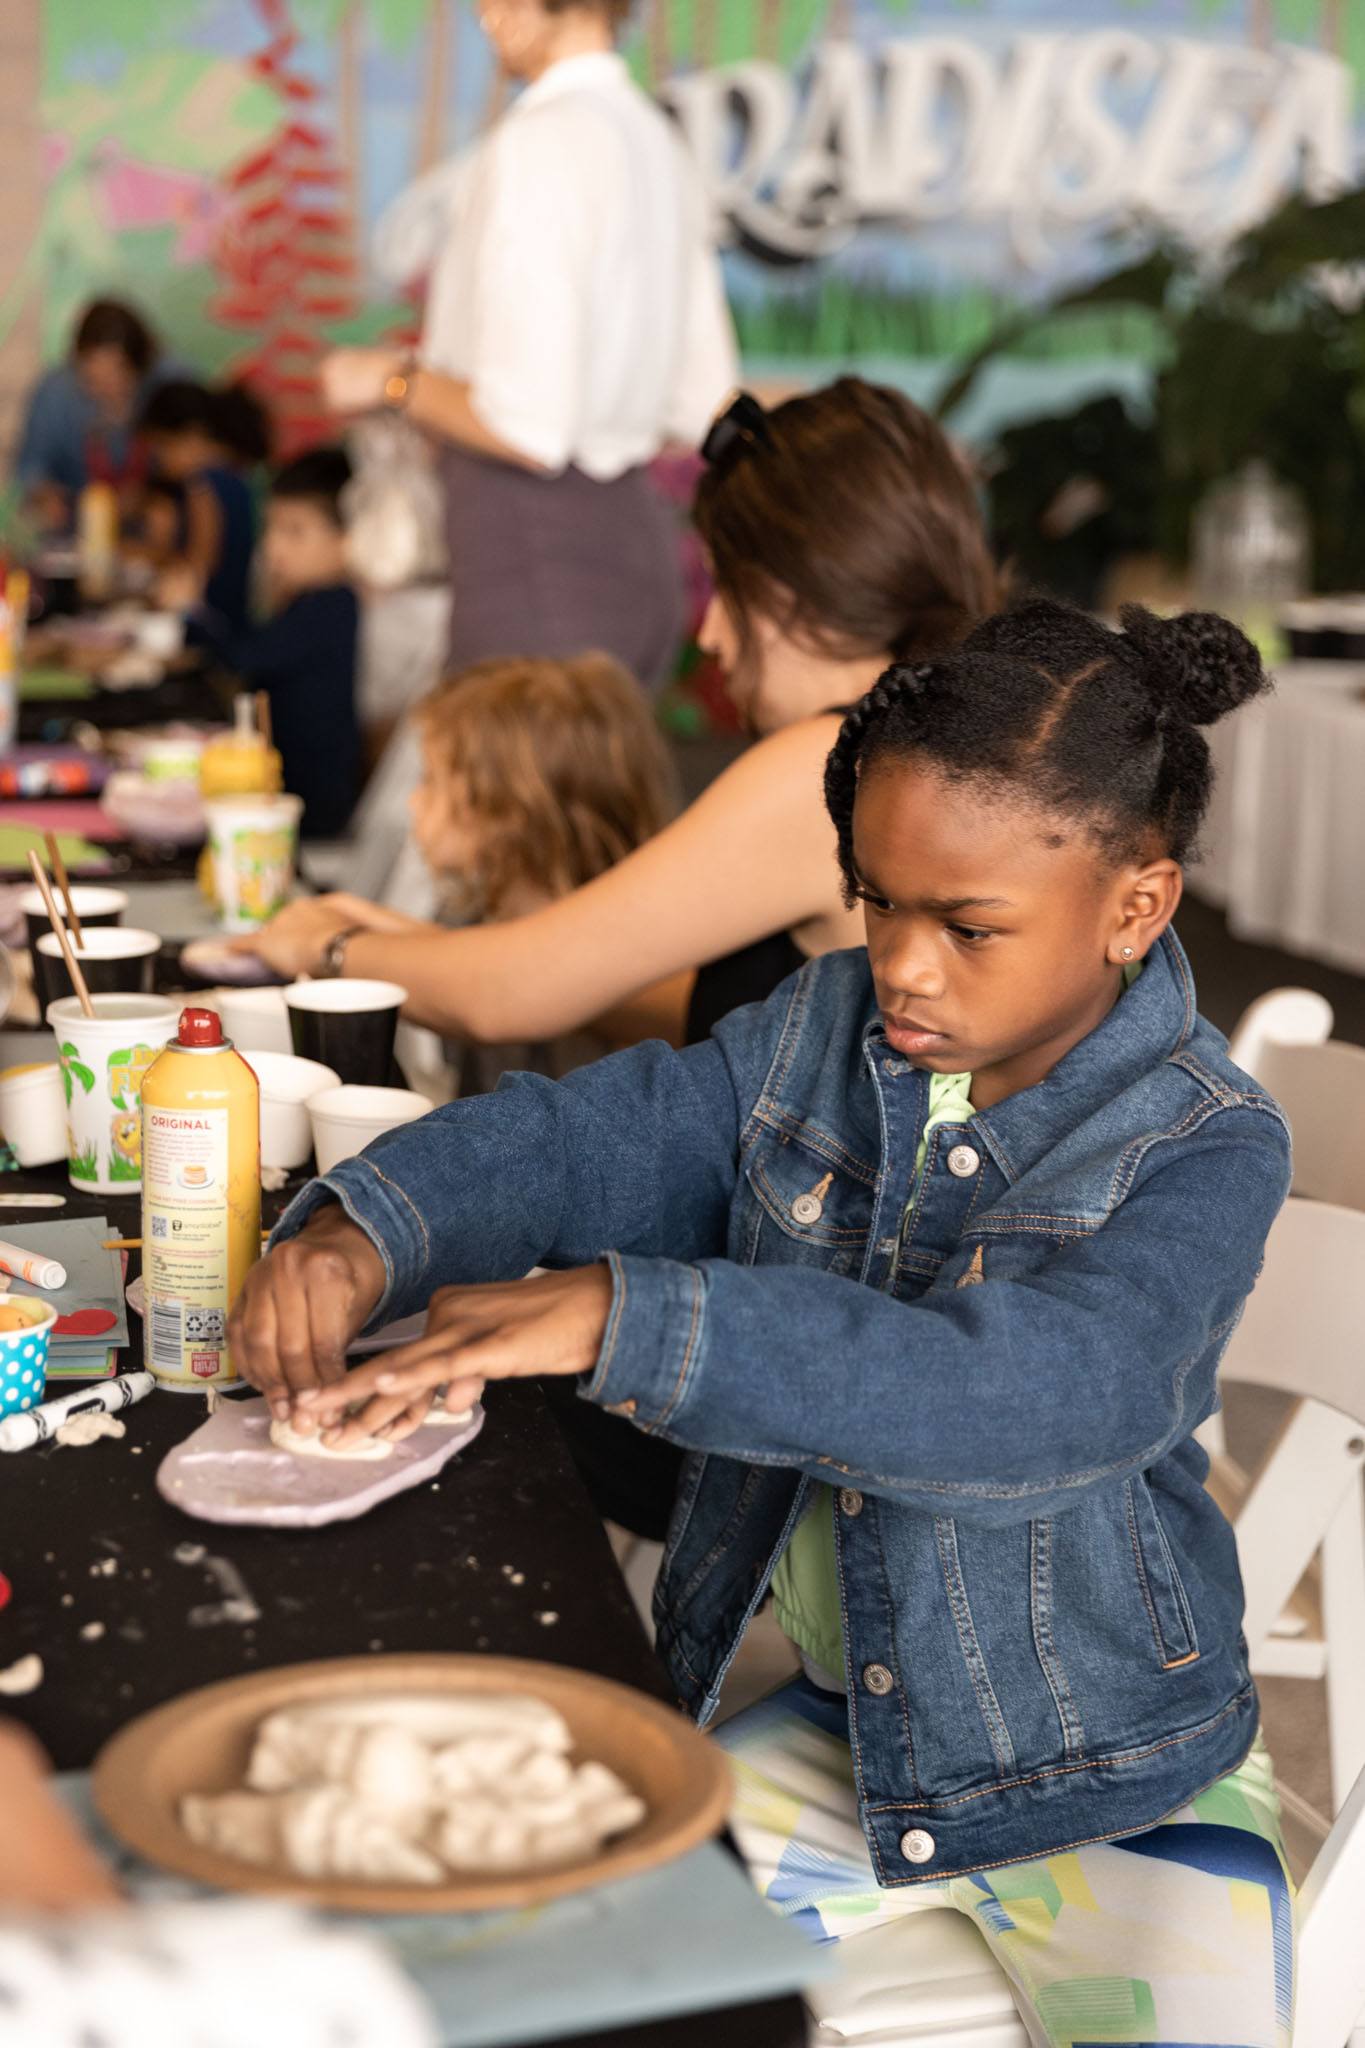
x=752 y=856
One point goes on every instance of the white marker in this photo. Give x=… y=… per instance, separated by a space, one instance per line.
x=39 y=1425
x=23 y=1264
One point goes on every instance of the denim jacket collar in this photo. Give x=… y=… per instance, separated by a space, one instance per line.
x=1153 y=1019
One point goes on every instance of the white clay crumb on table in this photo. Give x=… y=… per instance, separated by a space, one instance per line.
x=88 y=1429
x=25 y=1676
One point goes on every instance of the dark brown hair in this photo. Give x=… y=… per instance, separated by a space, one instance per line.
x=853 y=525
x=562 y=762
x=108 y=323
x=1046 y=704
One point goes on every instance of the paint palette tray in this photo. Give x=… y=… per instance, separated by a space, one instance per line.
x=229 y=1471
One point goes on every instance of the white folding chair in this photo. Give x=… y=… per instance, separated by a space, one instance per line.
x=1282 y=1016
x=929 y=1981
x=1321 y=1089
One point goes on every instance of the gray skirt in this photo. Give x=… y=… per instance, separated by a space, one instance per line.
x=557 y=565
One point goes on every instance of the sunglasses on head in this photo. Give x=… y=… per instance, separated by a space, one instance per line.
x=743 y=424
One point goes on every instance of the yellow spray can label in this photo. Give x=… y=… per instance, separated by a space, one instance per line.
x=201 y=1200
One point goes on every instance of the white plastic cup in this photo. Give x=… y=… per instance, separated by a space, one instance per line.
x=346 y=1119
x=104 y=1059
x=33 y=1113
x=287 y=1085
x=252 y=841
x=255 y=1019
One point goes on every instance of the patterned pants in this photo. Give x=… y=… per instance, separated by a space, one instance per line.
x=1183 y=1935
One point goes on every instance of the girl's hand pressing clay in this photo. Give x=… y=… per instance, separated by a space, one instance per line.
x=302 y=1307
x=552 y=1323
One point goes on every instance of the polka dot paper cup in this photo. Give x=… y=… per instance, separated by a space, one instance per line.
x=25 y=1333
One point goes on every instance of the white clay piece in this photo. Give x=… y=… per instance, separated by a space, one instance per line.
x=408 y=1790
x=24 y=1676
x=88 y=1429
x=286 y=1438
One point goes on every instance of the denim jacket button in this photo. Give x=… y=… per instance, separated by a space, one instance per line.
x=917 y=1845
x=963 y=1162
x=807 y=1209
x=878 y=1680
x=850 y=1500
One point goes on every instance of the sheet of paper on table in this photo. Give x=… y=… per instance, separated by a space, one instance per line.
x=690 y=1936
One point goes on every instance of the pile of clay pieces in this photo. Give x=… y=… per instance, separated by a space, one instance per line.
x=409 y=1790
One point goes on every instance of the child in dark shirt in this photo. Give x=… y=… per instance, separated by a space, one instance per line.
x=304 y=656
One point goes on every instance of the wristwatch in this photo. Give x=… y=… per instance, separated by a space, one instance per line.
x=398 y=386
x=332 y=962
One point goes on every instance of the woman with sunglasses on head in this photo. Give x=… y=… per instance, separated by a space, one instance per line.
x=576 y=325
x=843 y=533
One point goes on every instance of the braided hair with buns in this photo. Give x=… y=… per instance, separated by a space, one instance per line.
x=1044 y=705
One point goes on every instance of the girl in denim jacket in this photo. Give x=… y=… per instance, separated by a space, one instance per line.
x=929 y=1262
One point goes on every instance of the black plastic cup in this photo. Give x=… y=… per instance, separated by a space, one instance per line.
x=347 y=1025
x=116 y=960
x=95 y=907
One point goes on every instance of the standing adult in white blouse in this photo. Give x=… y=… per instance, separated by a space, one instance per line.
x=576 y=325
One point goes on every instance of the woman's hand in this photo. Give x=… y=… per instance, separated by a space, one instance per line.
x=46 y=1864
x=553 y=1323
x=302 y=1307
x=293 y=942
x=353 y=379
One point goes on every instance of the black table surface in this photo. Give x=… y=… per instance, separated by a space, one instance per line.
x=478 y=1560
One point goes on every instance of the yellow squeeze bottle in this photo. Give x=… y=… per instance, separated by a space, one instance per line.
x=201 y=1200
x=97 y=541
x=240 y=763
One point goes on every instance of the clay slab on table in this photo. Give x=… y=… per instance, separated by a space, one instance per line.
x=229 y=1471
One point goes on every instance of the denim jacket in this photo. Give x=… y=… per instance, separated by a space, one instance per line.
x=1041 y=1603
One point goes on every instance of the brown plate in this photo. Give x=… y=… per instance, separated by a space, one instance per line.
x=202 y=1741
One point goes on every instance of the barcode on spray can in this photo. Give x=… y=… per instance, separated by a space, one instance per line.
x=168 y=1336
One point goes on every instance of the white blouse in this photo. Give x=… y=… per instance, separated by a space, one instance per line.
x=578 y=292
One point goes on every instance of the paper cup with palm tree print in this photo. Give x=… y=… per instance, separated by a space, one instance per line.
x=253 y=841
x=103 y=1060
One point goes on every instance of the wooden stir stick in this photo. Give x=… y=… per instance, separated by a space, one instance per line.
x=58 y=866
x=39 y=874
x=263 y=716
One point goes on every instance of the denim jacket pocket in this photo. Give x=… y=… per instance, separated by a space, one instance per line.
x=797 y=1205
x=1159 y=1578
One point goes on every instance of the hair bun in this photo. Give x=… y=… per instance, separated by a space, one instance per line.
x=1198 y=666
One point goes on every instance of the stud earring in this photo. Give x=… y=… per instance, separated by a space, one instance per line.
x=1127 y=952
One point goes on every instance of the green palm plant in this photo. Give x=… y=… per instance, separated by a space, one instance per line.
x=1263 y=358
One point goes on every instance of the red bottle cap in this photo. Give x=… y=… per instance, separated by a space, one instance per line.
x=200 y=1027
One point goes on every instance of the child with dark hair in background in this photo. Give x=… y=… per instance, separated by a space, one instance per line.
x=304 y=655
x=204 y=440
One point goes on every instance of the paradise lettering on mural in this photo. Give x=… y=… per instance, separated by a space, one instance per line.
x=1045 y=134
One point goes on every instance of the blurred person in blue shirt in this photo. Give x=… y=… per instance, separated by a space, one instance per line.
x=79 y=424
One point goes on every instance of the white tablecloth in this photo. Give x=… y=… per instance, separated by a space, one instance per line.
x=1285 y=837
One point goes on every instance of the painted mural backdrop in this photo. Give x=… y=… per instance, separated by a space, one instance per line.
x=889 y=178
